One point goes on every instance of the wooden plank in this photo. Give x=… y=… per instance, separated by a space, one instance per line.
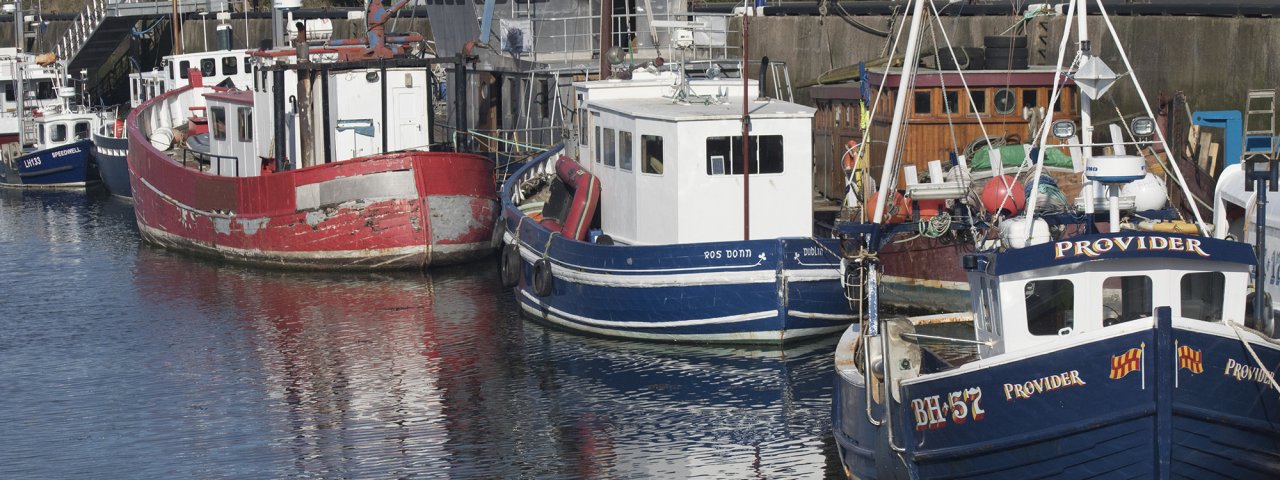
x=1193 y=142
x=1202 y=158
x=1213 y=159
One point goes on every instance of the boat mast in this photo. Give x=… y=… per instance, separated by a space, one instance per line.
x=887 y=178
x=18 y=80
x=746 y=131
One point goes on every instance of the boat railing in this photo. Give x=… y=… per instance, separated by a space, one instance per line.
x=571 y=41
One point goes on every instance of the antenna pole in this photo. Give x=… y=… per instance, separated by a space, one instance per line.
x=746 y=132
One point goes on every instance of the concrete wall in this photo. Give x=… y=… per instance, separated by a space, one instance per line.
x=1213 y=60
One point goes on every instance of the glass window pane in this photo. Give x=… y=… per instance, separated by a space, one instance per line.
x=230 y=66
x=1126 y=298
x=610 y=149
x=1050 y=306
x=720 y=154
x=599 y=150
x=624 y=150
x=1202 y=295
x=82 y=130
x=60 y=132
x=978 y=101
x=1030 y=98
x=768 y=158
x=951 y=102
x=218 y=123
x=184 y=69
x=1005 y=102
x=651 y=154
x=208 y=67
x=245 y=123
x=923 y=103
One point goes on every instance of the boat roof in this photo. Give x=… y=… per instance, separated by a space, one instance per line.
x=731 y=109
x=1032 y=76
x=243 y=97
x=1104 y=246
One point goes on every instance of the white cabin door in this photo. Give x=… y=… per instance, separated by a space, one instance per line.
x=406 y=122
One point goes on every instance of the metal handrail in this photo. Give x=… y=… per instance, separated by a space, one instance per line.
x=574 y=38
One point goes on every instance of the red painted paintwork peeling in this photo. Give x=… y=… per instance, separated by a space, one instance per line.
x=257 y=219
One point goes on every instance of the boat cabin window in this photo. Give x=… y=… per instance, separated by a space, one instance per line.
x=229 y=65
x=1126 y=298
x=978 y=101
x=45 y=91
x=184 y=69
x=43 y=137
x=922 y=103
x=248 y=67
x=59 y=133
x=1050 y=306
x=1005 y=101
x=244 y=123
x=651 y=154
x=985 y=298
x=218 y=125
x=724 y=155
x=208 y=67
x=8 y=92
x=81 y=130
x=610 y=151
x=951 y=102
x=582 y=125
x=1202 y=295
x=170 y=68
x=599 y=147
x=1030 y=98
x=624 y=150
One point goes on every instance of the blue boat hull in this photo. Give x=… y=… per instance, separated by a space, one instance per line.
x=66 y=166
x=757 y=291
x=1215 y=417
x=111 y=156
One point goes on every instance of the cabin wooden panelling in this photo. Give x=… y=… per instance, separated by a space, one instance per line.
x=836 y=122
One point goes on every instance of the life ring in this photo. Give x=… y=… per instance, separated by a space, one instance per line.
x=543 y=280
x=510 y=266
x=850 y=160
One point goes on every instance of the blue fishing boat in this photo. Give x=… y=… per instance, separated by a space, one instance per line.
x=110 y=154
x=1134 y=352
x=61 y=158
x=646 y=235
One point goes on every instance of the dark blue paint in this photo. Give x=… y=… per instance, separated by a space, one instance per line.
x=66 y=165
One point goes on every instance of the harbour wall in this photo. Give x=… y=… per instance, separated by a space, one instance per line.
x=1213 y=60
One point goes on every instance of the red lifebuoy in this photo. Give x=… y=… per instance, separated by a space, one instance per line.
x=850 y=160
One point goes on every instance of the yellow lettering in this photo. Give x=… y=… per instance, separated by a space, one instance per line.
x=1159 y=243
x=1102 y=247
x=1193 y=245
x=1075 y=377
x=1124 y=242
x=1175 y=244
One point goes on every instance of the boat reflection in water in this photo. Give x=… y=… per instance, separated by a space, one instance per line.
x=375 y=375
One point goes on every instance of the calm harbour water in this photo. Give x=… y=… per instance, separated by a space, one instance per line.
x=119 y=360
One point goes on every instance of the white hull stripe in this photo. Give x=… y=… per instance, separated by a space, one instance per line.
x=744 y=317
x=674 y=278
x=756 y=336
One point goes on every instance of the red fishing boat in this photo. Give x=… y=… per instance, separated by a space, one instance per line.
x=298 y=175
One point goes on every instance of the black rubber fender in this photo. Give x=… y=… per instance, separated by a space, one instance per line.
x=1004 y=41
x=510 y=265
x=543 y=280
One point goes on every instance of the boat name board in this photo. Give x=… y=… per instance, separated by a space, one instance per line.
x=1042 y=385
x=1245 y=373
x=959 y=406
x=63 y=153
x=1094 y=248
x=728 y=253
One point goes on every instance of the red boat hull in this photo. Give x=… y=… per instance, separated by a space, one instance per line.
x=392 y=211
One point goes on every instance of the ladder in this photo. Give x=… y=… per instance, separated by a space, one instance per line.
x=1260 y=123
x=781 y=79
